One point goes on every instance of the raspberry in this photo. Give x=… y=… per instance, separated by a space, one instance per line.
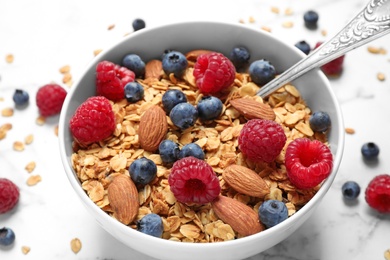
x=50 y=98
x=213 y=72
x=261 y=140
x=94 y=120
x=111 y=80
x=307 y=162
x=378 y=193
x=334 y=67
x=9 y=195
x=193 y=181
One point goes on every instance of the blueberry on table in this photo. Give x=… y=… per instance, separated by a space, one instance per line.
x=151 y=224
x=209 y=108
x=272 y=212
x=171 y=98
x=350 y=190
x=370 y=151
x=134 y=63
x=184 y=115
x=133 y=92
x=262 y=72
x=320 y=121
x=311 y=19
x=169 y=151
x=138 y=24
x=20 y=97
x=7 y=236
x=142 y=171
x=191 y=149
x=303 y=46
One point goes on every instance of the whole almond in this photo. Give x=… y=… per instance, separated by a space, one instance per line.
x=242 y=218
x=251 y=109
x=245 y=181
x=152 y=129
x=153 y=69
x=123 y=198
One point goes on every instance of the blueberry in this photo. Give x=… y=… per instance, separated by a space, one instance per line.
x=272 y=212
x=350 y=190
x=7 y=236
x=21 y=97
x=171 y=98
x=319 y=121
x=240 y=57
x=183 y=115
x=138 y=24
x=174 y=62
x=262 y=72
x=133 y=92
x=151 y=224
x=169 y=151
x=370 y=151
x=310 y=18
x=303 y=46
x=134 y=63
x=209 y=108
x=142 y=171
x=191 y=149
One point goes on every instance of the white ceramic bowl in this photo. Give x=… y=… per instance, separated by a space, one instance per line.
x=222 y=37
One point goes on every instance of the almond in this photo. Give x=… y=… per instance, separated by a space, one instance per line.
x=242 y=218
x=245 y=181
x=123 y=197
x=153 y=127
x=251 y=109
x=153 y=69
x=194 y=54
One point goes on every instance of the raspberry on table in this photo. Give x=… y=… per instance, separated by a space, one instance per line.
x=193 y=181
x=111 y=80
x=9 y=195
x=377 y=193
x=261 y=140
x=213 y=72
x=308 y=162
x=50 y=98
x=334 y=67
x=93 y=121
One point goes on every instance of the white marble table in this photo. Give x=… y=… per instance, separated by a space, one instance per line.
x=44 y=35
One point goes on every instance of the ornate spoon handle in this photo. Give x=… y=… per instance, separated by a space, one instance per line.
x=369 y=24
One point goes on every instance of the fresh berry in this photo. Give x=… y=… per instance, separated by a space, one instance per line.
x=370 y=151
x=191 y=149
x=7 y=236
x=174 y=62
x=142 y=171
x=134 y=92
x=21 y=97
x=9 y=195
x=261 y=140
x=138 y=24
x=262 y=72
x=169 y=151
x=111 y=80
x=303 y=46
x=184 y=115
x=50 y=98
x=350 y=190
x=93 y=120
x=171 y=98
x=209 y=108
x=134 y=63
x=320 y=121
x=308 y=162
x=213 y=72
x=378 y=193
x=151 y=224
x=310 y=19
x=193 y=181
x=240 y=57
x=334 y=67
x=272 y=212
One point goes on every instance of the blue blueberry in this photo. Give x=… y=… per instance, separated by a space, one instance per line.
x=138 y=24
x=303 y=46
x=171 y=98
x=311 y=19
x=262 y=72
x=319 y=121
x=133 y=92
x=169 y=151
x=151 y=224
x=21 y=97
x=272 y=212
x=174 y=62
x=183 y=115
x=134 y=63
x=350 y=190
x=209 y=108
x=240 y=57
x=370 y=151
x=191 y=149
x=7 y=236
x=142 y=171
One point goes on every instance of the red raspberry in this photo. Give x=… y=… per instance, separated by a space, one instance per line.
x=261 y=140
x=334 y=67
x=193 y=181
x=307 y=162
x=50 y=98
x=111 y=80
x=93 y=121
x=9 y=195
x=213 y=72
x=378 y=193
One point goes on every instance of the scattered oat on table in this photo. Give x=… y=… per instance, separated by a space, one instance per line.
x=96 y=52
x=110 y=27
x=266 y=28
x=65 y=69
x=75 y=245
x=33 y=180
x=7 y=112
x=387 y=254
x=30 y=166
x=349 y=130
x=18 y=146
x=376 y=50
x=26 y=249
x=288 y=11
x=380 y=76
x=9 y=58
x=288 y=24
x=252 y=19
x=40 y=120
x=275 y=9
x=29 y=139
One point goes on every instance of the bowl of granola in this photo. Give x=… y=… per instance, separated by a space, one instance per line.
x=165 y=141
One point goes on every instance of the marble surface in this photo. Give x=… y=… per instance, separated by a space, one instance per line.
x=44 y=35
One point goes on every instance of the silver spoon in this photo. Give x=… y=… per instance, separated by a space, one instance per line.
x=369 y=24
